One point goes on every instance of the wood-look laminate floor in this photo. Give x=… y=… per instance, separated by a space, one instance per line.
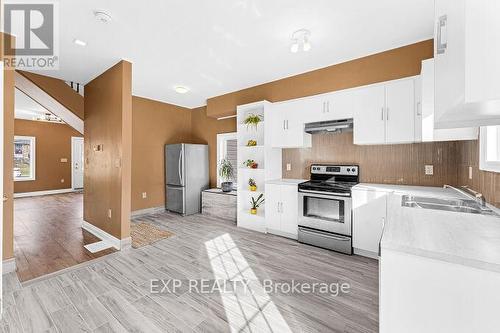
x=112 y=294
x=48 y=234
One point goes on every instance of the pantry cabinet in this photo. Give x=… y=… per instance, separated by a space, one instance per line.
x=467 y=70
x=385 y=113
x=282 y=209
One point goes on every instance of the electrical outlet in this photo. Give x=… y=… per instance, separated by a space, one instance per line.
x=62 y=180
x=470 y=172
x=288 y=167
x=429 y=170
x=64 y=160
x=144 y=195
x=109 y=213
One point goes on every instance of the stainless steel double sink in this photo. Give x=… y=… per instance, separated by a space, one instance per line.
x=450 y=205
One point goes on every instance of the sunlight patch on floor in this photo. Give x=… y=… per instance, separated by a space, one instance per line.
x=251 y=310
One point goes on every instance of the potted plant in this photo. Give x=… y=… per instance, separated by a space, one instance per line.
x=256 y=204
x=252 y=184
x=252 y=120
x=226 y=172
x=251 y=143
x=251 y=164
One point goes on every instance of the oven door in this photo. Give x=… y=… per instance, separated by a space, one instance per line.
x=325 y=212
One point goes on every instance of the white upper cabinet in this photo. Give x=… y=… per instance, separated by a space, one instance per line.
x=424 y=119
x=369 y=115
x=287 y=123
x=400 y=111
x=385 y=113
x=467 y=70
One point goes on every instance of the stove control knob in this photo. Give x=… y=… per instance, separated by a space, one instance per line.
x=353 y=169
x=348 y=170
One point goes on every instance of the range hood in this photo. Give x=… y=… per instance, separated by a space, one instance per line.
x=332 y=126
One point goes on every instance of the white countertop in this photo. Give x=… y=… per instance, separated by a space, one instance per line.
x=461 y=238
x=284 y=181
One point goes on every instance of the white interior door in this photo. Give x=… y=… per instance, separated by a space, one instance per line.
x=76 y=163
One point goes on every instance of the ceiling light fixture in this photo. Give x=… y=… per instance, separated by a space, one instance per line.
x=181 y=89
x=102 y=16
x=301 y=38
x=79 y=42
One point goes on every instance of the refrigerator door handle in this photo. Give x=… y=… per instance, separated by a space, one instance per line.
x=179 y=166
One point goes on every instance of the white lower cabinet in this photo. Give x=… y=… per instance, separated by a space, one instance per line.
x=282 y=210
x=369 y=215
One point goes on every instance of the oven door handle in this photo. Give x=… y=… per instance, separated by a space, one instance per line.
x=332 y=194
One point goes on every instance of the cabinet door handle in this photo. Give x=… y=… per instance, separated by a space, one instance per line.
x=284 y=125
x=419 y=109
x=278 y=207
x=442 y=39
x=382 y=113
x=328 y=106
x=324 y=107
x=281 y=207
x=387 y=113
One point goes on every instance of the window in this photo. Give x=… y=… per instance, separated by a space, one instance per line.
x=24 y=158
x=227 y=147
x=489 y=155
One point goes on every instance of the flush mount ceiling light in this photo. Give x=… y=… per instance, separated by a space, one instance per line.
x=102 y=16
x=301 y=38
x=181 y=89
x=79 y=42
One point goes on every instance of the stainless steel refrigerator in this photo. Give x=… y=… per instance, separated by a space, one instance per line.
x=186 y=177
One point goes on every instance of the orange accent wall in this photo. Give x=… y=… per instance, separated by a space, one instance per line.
x=8 y=182
x=389 y=65
x=154 y=124
x=108 y=124
x=53 y=142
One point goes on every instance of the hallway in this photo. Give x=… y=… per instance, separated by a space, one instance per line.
x=48 y=236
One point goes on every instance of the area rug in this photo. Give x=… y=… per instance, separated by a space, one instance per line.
x=144 y=234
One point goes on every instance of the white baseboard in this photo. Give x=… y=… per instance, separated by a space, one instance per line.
x=365 y=253
x=148 y=211
x=119 y=244
x=8 y=266
x=39 y=193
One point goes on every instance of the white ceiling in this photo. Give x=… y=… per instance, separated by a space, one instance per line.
x=26 y=108
x=219 y=46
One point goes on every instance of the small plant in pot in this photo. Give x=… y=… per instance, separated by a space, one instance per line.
x=226 y=172
x=255 y=204
x=252 y=184
x=252 y=120
x=251 y=164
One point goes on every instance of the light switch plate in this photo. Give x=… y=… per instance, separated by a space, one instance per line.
x=144 y=195
x=429 y=170
x=470 y=172
x=64 y=160
x=288 y=167
x=109 y=213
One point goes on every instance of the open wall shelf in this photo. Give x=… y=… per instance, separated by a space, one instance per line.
x=268 y=159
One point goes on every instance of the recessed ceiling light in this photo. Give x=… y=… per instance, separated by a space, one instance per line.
x=79 y=42
x=102 y=16
x=181 y=89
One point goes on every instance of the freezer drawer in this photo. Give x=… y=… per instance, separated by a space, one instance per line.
x=176 y=199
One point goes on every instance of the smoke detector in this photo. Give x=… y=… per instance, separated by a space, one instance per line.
x=102 y=16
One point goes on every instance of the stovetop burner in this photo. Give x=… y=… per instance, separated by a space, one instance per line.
x=332 y=179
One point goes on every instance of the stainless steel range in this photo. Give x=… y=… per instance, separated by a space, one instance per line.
x=325 y=207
